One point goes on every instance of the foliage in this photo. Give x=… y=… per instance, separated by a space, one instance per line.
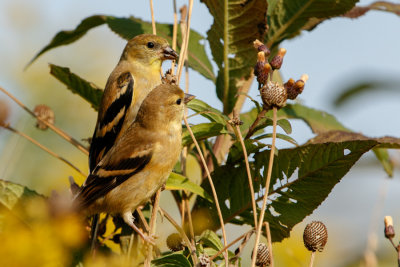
x=302 y=175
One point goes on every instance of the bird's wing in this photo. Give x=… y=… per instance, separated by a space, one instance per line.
x=110 y=122
x=112 y=172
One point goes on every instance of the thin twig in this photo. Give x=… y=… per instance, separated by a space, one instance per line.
x=312 y=259
x=143 y=219
x=8 y=127
x=153 y=22
x=174 y=34
x=260 y=115
x=214 y=192
x=57 y=130
x=185 y=43
x=267 y=182
x=153 y=224
x=230 y=244
x=183 y=235
x=246 y=160
x=268 y=230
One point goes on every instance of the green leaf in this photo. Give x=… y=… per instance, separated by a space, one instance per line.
x=127 y=28
x=178 y=182
x=171 y=260
x=236 y=151
x=12 y=194
x=359 y=11
x=77 y=85
x=279 y=136
x=211 y=239
x=287 y=18
x=203 y=131
x=205 y=110
x=236 y=25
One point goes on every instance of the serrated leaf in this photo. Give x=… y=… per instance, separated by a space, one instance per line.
x=11 y=194
x=287 y=18
x=205 y=110
x=243 y=22
x=178 y=182
x=77 y=85
x=203 y=131
x=171 y=260
x=236 y=150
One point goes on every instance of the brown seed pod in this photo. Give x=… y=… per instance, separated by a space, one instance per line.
x=273 y=95
x=261 y=47
x=174 y=242
x=4 y=112
x=45 y=113
x=389 y=229
x=315 y=236
x=263 y=258
x=277 y=60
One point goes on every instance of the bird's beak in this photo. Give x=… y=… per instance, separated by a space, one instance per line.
x=187 y=98
x=169 y=53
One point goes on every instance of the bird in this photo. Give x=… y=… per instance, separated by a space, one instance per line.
x=140 y=162
x=136 y=74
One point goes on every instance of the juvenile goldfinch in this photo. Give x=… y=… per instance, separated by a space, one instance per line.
x=136 y=74
x=140 y=161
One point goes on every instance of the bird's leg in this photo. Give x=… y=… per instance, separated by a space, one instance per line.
x=128 y=219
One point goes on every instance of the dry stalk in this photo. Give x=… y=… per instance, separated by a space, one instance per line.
x=268 y=230
x=231 y=244
x=153 y=224
x=267 y=182
x=33 y=141
x=153 y=21
x=312 y=259
x=184 y=237
x=185 y=43
x=251 y=130
x=174 y=34
x=57 y=130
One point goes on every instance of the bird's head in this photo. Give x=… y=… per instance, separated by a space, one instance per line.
x=148 y=49
x=163 y=105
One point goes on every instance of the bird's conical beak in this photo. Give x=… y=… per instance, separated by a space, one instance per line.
x=169 y=53
x=187 y=98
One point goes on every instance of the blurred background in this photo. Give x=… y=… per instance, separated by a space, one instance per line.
x=338 y=54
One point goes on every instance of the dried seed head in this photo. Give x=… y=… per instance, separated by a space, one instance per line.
x=4 y=112
x=263 y=258
x=174 y=242
x=261 y=47
x=274 y=95
x=262 y=76
x=277 y=60
x=389 y=229
x=315 y=236
x=45 y=113
x=204 y=260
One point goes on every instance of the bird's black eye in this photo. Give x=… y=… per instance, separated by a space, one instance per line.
x=179 y=101
x=150 y=44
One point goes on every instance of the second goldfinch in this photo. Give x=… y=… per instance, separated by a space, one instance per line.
x=141 y=160
x=136 y=74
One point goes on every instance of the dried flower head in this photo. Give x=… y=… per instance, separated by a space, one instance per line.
x=274 y=95
x=277 y=60
x=4 y=112
x=174 y=242
x=315 y=236
x=295 y=88
x=261 y=47
x=45 y=113
x=389 y=229
x=263 y=258
x=204 y=260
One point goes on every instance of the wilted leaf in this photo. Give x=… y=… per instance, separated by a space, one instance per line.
x=179 y=182
x=202 y=131
x=88 y=91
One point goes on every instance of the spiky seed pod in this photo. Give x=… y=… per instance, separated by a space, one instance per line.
x=174 y=242
x=45 y=113
x=389 y=229
x=277 y=60
x=274 y=95
x=204 y=260
x=4 y=112
x=263 y=258
x=315 y=236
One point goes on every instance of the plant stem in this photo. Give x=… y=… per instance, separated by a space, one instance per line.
x=312 y=259
x=255 y=123
x=174 y=34
x=57 y=130
x=8 y=127
x=226 y=58
x=183 y=52
x=153 y=22
x=267 y=182
x=153 y=224
x=268 y=230
x=211 y=185
x=246 y=160
x=230 y=244
x=184 y=237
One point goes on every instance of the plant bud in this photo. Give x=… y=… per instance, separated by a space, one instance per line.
x=174 y=242
x=389 y=229
x=261 y=47
x=315 y=236
x=263 y=258
x=274 y=95
x=45 y=113
x=277 y=60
